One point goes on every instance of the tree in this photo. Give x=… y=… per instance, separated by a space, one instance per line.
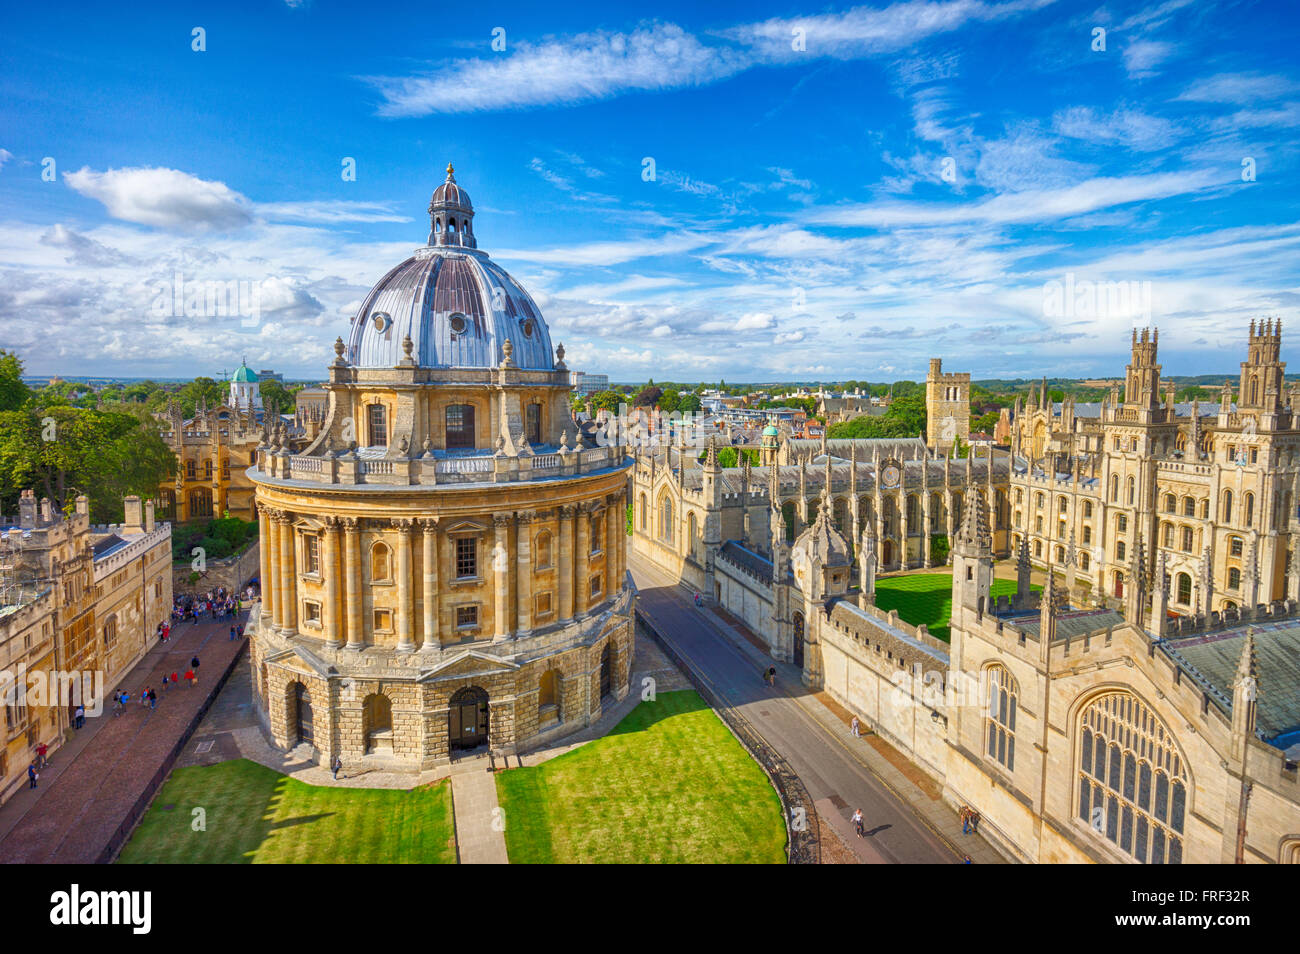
x=13 y=392
x=905 y=417
x=275 y=394
x=670 y=401
x=606 y=401
x=648 y=396
x=689 y=404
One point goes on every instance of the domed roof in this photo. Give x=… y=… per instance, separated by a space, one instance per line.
x=458 y=306
x=245 y=375
x=771 y=431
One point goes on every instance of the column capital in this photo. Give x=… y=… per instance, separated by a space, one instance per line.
x=401 y=524
x=350 y=524
x=332 y=523
x=525 y=517
x=502 y=520
x=568 y=510
x=428 y=524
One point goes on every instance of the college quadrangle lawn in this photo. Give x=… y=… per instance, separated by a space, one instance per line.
x=668 y=784
x=927 y=598
x=253 y=814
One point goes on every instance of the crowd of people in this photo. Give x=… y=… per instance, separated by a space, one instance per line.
x=214 y=604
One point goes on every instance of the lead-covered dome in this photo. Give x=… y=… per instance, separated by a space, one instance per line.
x=458 y=306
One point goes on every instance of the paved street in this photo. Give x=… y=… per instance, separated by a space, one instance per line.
x=94 y=781
x=904 y=823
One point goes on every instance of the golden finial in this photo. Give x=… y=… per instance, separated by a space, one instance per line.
x=450 y=170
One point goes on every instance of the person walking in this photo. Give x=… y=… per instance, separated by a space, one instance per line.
x=232 y=633
x=41 y=760
x=189 y=674
x=853 y=727
x=336 y=766
x=857 y=823
x=771 y=677
x=153 y=698
x=32 y=775
x=117 y=704
x=164 y=682
x=81 y=716
x=175 y=679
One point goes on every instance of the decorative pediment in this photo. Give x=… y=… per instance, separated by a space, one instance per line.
x=308 y=524
x=468 y=663
x=465 y=526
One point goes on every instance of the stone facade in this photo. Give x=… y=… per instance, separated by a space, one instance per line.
x=214 y=450
x=1212 y=492
x=79 y=600
x=947 y=407
x=446 y=540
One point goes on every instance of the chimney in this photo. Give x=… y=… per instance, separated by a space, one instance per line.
x=148 y=516
x=47 y=512
x=83 y=505
x=27 y=509
x=134 y=520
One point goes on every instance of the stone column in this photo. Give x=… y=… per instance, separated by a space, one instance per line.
x=501 y=574
x=925 y=527
x=582 y=562
x=430 y=594
x=352 y=534
x=524 y=573
x=266 y=554
x=330 y=612
x=902 y=524
x=405 y=603
x=288 y=577
x=615 y=529
x=565 y=566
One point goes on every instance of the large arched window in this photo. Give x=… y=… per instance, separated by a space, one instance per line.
x=1227 y=506
x=1132 y=491
x=1250 y=510
x=1131 y=781
x=459 y=420
x=645 y=514
x=1000 y=720
x=666 y=519
x=1184 y=589
x=1114 y=488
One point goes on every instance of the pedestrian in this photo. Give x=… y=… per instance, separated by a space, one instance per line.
x=241 y=630
x=175 y=679
x=336 y=766
x=144 y=698
x=41 y=760
x=189 y=674
x=857 y=823
x=853 y=727
x=164 y=682
x=31 y=775
x=194 y=663
x=81 y=716
x=232 y=633
x=117 y=703
x=965 y=859
x=153 y=698
x=771 y=677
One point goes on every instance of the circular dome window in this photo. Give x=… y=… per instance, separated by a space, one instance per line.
x=458 y=324
x=381 y=321
x=530 y=328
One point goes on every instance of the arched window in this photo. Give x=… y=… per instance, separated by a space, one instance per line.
x=1234 y=578
x=1062 y=504
x=1166 y=535
x=1084 y=561
x=1087 y=535
x=666 y=520
x=1184 y=589
x=110 y=631
x=459 y=420
x=1227 y=506
x=1132 y=491
x=645 y=513
x=1114 y=488
x=1087 y=508
x=1205 y=507
x=1250 y=510
x=597 y=532
x=379 y=572
x=1131 y=782
x=690 y=533
x=1170 y=503
x=1254 y=390
x=1000 y=720
x=207 y=469
x=1189 y=507
x=543 y=549
x=1234 y=546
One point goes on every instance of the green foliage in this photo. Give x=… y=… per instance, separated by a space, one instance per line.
x=938 y=549
x=670 y=400
x=629 y=519
x=13 y=392
x=905 y=417
x=605 y=401
x=985 y=422
x=275 y=394
x=730 y=456
x=689 y=404
x=219 y=538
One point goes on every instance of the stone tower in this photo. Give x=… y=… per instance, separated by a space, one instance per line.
x=947 y=407
x=972 y=558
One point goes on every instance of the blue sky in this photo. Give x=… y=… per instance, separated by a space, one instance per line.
x=837 y=192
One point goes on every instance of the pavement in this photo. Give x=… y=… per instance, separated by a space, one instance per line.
x=96 y=783
x=905 y=823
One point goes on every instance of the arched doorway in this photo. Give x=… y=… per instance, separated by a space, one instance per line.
x=467 y=719
x=605 y=672
x=798 y=640
x=300 y=716
x=887 y=554
x=377 y=723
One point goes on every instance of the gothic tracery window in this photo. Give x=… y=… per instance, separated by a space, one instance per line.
x=1132 y=788
x=1000 y=719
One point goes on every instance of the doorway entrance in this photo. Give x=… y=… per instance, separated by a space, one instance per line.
x=300 y=716
x=798 y=640
x=467 y=720
x=605 y=680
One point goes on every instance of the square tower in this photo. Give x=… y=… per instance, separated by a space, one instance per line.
x=947 y=407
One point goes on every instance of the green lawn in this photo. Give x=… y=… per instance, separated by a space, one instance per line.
x=927 y=598
x=669 y=784
x=256 y=815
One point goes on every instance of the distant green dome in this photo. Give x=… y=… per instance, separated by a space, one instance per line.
x=771 y=431
x=245 y=375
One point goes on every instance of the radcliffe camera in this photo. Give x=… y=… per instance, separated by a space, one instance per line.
x=732 y=434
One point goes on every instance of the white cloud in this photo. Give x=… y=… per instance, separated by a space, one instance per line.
x=5 y=156
x=1124 y=127
x=1240 y=88
x=166 y=198
x=1141 y=57
x=330 y=211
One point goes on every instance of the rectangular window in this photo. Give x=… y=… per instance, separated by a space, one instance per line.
x=595 y=585
x=460 y=425
x=466 y=558
x=378 y=420
x=383 y=621
x=543 y=605
x=1254 y=455
x=311 y=612
x=310 y=553
x=1119 y=550
x=466 y=617
x=534 y=423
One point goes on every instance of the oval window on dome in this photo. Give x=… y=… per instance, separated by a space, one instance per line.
x=381 y=321
x=458 y=324
x=530 y=328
